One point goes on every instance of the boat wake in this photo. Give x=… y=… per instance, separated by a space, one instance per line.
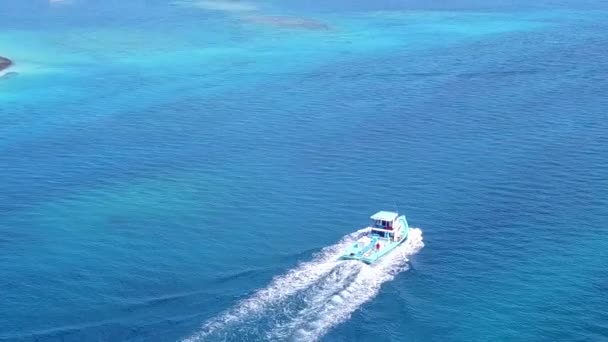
x=304 y=303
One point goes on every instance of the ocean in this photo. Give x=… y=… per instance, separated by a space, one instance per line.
x=190 y=170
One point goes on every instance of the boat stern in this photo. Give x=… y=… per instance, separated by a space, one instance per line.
x=359 y=249
x=353 y=256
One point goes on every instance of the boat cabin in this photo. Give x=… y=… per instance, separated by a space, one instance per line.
x=384 y=224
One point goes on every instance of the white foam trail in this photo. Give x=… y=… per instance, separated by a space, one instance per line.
x=328 y=308
x=301 y=277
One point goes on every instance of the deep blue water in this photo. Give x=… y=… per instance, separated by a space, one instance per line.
x=190 y=170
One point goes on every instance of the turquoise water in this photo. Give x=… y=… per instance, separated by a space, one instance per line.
x=188 y=171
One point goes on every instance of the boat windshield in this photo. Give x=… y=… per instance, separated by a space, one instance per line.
x=383 y=224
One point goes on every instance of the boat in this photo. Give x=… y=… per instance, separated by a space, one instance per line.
x=387 y=231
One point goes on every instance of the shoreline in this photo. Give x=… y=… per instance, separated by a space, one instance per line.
x=5 y=63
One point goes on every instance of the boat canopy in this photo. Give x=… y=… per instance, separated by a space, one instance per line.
x=386 y=216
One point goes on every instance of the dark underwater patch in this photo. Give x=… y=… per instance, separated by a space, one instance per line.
x=5 y=63
x=286 y=22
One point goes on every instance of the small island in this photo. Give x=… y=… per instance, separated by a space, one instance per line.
x=5 y=63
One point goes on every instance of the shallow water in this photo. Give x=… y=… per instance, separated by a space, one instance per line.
x=176 y=171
